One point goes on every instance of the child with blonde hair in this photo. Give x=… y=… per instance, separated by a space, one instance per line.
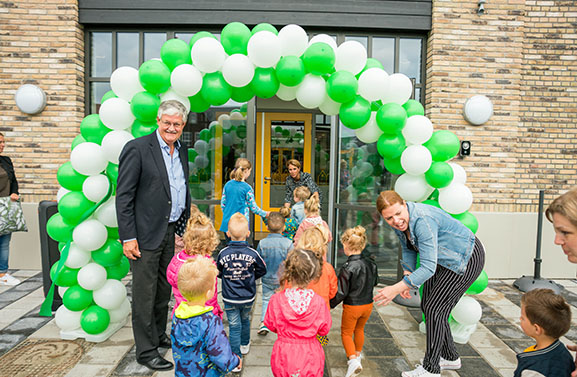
x=357 y=278
x=297 y=314
x=290 y=223
x=312 y=219
x=200 y=239
x=199 y=344
x=300 y=194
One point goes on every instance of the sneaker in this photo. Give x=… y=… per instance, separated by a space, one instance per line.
x=238 y=369
x=449 y=364
x=354 y=368
x=419 y=371
x=245 y=349
x=8 y=279
x=263 y=330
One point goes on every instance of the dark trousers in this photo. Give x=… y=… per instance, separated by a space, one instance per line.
x=440 y=295
x=150 y=296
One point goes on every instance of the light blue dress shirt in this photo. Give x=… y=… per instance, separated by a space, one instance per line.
x=176 y=178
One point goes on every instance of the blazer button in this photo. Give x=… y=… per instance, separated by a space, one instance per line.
x=169 y=202
x=166 y=217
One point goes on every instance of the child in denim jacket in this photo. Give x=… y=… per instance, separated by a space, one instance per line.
x=300 y=194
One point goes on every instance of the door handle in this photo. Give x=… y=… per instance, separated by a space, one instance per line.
x=267 y=178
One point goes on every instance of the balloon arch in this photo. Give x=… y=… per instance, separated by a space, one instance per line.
x=263 y=62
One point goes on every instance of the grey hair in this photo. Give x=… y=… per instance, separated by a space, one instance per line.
x=172 y=107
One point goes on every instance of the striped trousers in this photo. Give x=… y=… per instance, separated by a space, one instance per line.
x=440 y=295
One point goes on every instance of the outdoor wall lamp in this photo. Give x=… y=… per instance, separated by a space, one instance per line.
x=478 y=110
x=465 y=148
x=30 y=99
x=481 y=9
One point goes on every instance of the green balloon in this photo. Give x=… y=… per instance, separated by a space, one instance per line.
x=92 y=129
x=432 y=202
x=264 y=27
x=144 y=106
x=243 y=108
x=214 y=128
x=413 y=107
x=94 y=320
x=199 y=35
x=371 y=63
x=108 y=95
x=241 y=131
x=355 y=113
x=112 y=233
x=434 y=195
x=112 y=172
x=175 y=52
x=140 y=128
x=342 y=86
x=204 y=134
x=109 y=254
x=198 y=104
x=154 y=76
x=479 y=285
x=290 y=70
x=73 y=206
x=391 y=118
x=243 y=94
x=69 y=178
x=118 y=271
x=79 y=139
x=215 y=90
x=65 y=277
x=197 y=192
x=393 y=165
x=319 y=58
x=192 y=154
x=265 y=83
x=376 y=105
x=439 y=175
x=469 y=220
x=234 y=38
x=443 y=145
x=391 y=146
x=58 y=230
x=77 y=298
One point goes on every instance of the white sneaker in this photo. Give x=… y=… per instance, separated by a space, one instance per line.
x=8 y=279
x=238 y=369
x=419 y=371
x=354 y=368
x=245 y=349
x=449 y=364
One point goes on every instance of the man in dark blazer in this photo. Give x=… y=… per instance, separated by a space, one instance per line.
x=151 y=196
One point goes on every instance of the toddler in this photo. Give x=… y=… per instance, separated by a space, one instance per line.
x=297 y=314
x=290 y=223
x=300 y=194
x=312 y=219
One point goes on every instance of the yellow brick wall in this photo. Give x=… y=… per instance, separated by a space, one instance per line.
x=41 y=43
x=522 y=55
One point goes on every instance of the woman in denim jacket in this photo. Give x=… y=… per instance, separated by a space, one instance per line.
x=451 y=259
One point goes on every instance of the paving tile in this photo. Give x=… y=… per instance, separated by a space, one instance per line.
x=519 y=346
x=83 y=370
x=9 y=341
x=502 y=357
x=413 y=339
x=104 y=353
x=476 y=366
x=335 y=356
x=258 y=355
x=256 y=371
x=374 y=330
x=507 y=332
x=48 y=331
x=389 y=367
x=465 y=350
x=381 y=347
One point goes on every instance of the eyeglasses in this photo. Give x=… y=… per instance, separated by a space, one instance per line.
x=174 y=124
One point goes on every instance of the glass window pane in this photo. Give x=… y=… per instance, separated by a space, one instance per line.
x=410 y=58
x=418 y=94
x=362 y=40
x=152 y=44
x=321 y=166
x=97 y=90
x=384 y=51
x=184 y=36
x=362 y=175
x=101 y=54
x=127 y=49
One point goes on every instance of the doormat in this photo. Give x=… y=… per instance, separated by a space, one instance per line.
x=43 y=357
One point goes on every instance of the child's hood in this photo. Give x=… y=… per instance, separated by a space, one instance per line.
x=185 y=310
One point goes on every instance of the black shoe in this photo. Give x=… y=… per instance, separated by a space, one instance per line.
x=165 y=342
x=158 y=363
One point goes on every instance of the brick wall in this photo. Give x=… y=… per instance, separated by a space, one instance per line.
x=521 y=54
x=41 y=43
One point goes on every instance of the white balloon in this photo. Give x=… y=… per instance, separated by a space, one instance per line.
x=238 y=70
x=372 y=84
x=330 y=107
x=224 y=121
x=413 y=188
x=90 y=235
x=351 y=56
x=113 y=142
x=370 y=132
x=201 y=162
x=207 y=55
x=120 y=313
x=325 y=39
x=418 y=129
x=416 y=159
x=293 y=40
x=96 y=187
x=264 y=49
x=88 y=158
x=467 y=311
x=186 y=80
x=201 y=147
x=455 y=198
x=227 y=140
x=236 y=115
x=125 y=83
x=398 y=90
x=111 y=295
x=311 y=92
x=77 y=257
x=61 y=192
x=92 y=276
x=66 y=319
x=106 y=213
x=459 y=174
x=115 y=113
x=172 y=95
x=62 y=290
x=287 y=93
